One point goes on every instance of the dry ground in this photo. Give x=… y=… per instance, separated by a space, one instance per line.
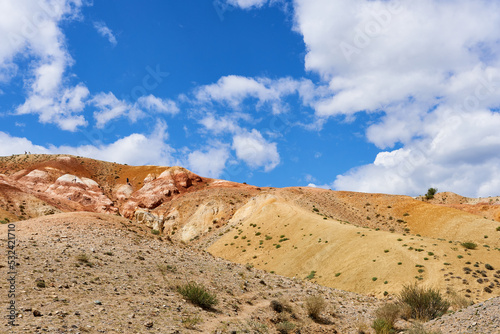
x=103 y=274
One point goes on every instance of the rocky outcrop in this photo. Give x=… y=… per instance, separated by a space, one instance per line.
x=84 y=191
x=149 y=219
x=156 y=191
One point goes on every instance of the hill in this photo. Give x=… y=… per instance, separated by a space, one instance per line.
x=364 y=244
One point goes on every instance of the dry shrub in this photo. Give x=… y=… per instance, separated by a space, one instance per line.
x=190 y=322
x=457 y=301
x=314 y=306
x=389 y=313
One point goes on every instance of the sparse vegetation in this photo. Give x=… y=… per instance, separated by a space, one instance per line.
x=190 y=322
x=314 y=306
x=84 y=259
x=40 y=283
x=198 y=295
x=430 y=193
x=285 y=327
x=469 y=245
x=424 y=303
x=386 y=316
x=311 y=275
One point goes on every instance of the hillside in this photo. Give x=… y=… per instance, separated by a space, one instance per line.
x=104 y=274
x=364 y=244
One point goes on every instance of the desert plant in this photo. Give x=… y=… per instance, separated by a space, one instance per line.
x=457 y=301
x=258 y=327
x=198 y=295
x=311 y=275
x=388 y=312
x=425 y=303
x=155 y=232
x=381 y=326
x=83 y=258
x=41 y=284
x=190 y=322
x=430 y=193
x=314 y=306
x=469 y=245
x=285 y=327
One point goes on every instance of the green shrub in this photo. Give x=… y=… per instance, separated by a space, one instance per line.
x=430 y=193
x=155 y=232
x=469 y=245
x=311 y=275
x=381 y=326
x=198 y=295
x=425 y=303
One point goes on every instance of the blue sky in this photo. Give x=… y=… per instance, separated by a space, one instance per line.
x=376 y=96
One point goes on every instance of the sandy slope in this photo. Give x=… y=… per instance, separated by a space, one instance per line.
x=349 y=257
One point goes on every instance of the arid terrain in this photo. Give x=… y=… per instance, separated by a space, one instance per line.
x=103 y=247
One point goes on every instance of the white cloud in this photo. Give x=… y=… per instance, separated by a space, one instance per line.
x=398 y=48
x=255 y=151
x=109 y=108
x=433 y=80
x=247 y=4
x=233 y=90
x=30 y=28
x=15 y=145
x=62 y=109
x=158 y=105
x=105 y=32
x=135 y=149
x=460 y=154
x=219 y=125
x=209 y=163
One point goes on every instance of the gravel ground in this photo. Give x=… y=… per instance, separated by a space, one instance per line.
x=483 y=318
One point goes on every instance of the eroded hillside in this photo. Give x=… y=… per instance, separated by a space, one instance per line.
x=365 y=243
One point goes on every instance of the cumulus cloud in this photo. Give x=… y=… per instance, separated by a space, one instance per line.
x=233 y=90
x=31 y=29
x=434 y=81
x=255 y=151
x=250 y=146
x=109 y=108
x=210 y=162
x=158 y=105
x=135 y=149
x=105 y=32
